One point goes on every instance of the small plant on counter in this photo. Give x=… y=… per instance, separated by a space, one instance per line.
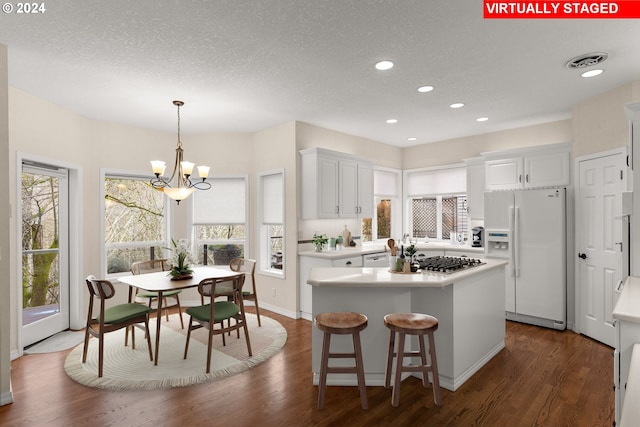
x=411 y=251
x=319 y=240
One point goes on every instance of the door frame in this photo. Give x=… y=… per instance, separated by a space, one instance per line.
x=624 y=151
x=76 y=281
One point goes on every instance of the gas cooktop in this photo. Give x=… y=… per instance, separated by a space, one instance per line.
x=448 y=264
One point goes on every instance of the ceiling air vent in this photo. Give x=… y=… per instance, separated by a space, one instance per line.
x=587 y=60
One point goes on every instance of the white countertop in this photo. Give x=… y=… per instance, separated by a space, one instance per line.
x=628 y=305
x=382 y=277
x=374 y=248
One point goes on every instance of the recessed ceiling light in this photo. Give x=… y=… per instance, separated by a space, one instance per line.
x=592 y=73
x=425 y=89
x=384 y=65
x=482 y=119
x=392 y=121
x=457 y=105
x=413 y=138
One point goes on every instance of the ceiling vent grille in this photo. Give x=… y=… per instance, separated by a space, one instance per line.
x=587 y=60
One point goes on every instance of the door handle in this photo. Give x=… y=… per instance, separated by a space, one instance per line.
x=583 y=256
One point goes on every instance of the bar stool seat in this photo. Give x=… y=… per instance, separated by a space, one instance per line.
x=341 y=323
x=411 y=324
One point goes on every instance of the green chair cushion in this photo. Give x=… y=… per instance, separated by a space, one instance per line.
x=224 y=310
x=123 y=312
x=146 y=294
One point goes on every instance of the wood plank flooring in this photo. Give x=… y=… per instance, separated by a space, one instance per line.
x=542 y=378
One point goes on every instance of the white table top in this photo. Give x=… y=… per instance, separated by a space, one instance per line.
x=161 y=281
x=380 y=277
x=628 y=305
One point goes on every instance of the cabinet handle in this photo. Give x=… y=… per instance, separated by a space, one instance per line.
x=519 y=178
x=356 y=210
x=348 y=263
x=527 y=178
x=337 y=209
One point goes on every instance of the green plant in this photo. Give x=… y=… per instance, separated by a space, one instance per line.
x=411 y=250
x=319 y=240
x=181 y=258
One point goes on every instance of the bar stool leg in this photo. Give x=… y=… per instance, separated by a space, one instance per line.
x=324 y=364
x=390 y=355
x=360 y=370
x=395 y=394
x=437 y=399
x=423 y=361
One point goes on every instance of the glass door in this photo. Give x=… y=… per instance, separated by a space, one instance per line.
x=45 y=271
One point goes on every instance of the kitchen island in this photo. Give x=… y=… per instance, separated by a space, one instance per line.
x=469 y=306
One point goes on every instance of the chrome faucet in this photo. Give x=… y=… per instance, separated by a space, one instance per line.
x=405 y=236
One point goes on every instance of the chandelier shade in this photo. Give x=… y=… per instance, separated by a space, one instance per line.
x=179 y=186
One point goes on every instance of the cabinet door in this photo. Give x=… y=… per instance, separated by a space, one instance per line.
x=348 y=194
x=365 y=191
x=328 y=204
x=546 y=170
x=475 y=190
x=504 y=174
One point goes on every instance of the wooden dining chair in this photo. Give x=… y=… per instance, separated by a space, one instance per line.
x=152 y=266
x=111 y=319
x=216 y=312
x=248 y=267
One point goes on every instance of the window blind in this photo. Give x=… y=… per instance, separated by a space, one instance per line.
x=224 y=203
x=385 y=183
x=440 y=181
x=272 y=199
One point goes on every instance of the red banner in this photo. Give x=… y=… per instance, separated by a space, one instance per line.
x=622 y=9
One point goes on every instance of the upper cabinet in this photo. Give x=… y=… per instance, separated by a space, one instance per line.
x=475 y=187
x=543 y=169
x=335 y=185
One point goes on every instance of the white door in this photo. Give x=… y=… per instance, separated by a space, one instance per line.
x=45 y=262
x=599 y=243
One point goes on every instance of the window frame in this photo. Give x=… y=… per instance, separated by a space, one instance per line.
x=264 y=239
x=396 y=206
x=132 y=175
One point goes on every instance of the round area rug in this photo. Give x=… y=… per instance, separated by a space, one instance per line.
x=128 y=369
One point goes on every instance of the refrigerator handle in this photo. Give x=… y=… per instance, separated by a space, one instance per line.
x=516 y=241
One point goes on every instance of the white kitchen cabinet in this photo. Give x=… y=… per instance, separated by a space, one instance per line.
x=544 y=169
x=355 y=261
x=475 y=187
x=335 y=185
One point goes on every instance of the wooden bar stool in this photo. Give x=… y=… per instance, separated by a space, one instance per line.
x=411 y=324
x=342 y=324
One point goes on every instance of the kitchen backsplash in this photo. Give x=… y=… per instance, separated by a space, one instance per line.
x=330 y=227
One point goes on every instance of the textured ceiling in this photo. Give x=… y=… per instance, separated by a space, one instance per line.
x=242 y=66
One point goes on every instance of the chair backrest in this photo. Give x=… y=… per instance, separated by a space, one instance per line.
x=230 y=287
x=244 y=265
x=150 y=266
x=102 y=289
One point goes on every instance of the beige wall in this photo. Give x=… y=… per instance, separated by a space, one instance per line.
x=5 y=249
x=600 y=123
x=455 y=150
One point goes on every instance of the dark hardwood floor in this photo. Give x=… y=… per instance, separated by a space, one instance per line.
x=542 y=378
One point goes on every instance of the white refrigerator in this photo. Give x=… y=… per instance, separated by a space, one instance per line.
x=528 y=228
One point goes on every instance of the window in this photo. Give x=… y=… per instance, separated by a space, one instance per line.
x=271 y=196
x=437 y=202
x=135 y=223
x=386 y=222
x=220 y=221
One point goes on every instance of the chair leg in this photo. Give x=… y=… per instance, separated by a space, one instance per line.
x=324 y=364
x=390 y=354
x=166 y=308
x=360 y=370
x=395 y=394
x=100 y=353
x=209 y=349
x=255 y=302
x=186 y=345
x=246 y=335
x=133 y=337
x=86 y=344
x=437 y=398
x=179 y=311
x=148 y=335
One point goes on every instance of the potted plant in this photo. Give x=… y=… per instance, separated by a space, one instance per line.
x=411 y=253
x=319 y=240
x=181 y=260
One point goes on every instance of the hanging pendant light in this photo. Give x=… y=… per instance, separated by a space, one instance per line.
x=182 y=170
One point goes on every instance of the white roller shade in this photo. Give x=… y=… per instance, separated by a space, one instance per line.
x=385 y=183
x=440 y=181
x=272 y=199
x=224 y=203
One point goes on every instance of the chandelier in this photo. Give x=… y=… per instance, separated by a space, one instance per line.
x=182 y=170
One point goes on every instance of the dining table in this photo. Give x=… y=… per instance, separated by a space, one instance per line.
x=161 y=282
